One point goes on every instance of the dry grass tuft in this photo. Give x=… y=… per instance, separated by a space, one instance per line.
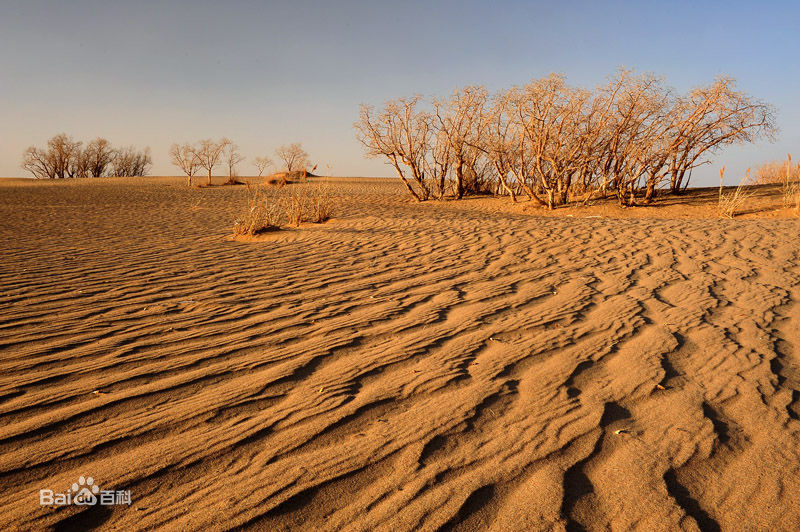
x=777 y=172
x=731 y=202
x=309 y=203
x=271 y=208
x=262 y=215
x=321 y=207
x=279 y=182
x=295 y=207
x=790 y=185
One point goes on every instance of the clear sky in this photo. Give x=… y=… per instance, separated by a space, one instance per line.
x=269 y=73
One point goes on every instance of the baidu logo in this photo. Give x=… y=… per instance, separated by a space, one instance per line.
x=84 y=493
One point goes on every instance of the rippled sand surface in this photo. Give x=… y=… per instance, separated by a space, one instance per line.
x=457 y=365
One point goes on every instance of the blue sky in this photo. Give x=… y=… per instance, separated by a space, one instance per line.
x=269 y=73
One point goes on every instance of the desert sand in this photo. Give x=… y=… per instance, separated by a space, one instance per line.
x=462 y=365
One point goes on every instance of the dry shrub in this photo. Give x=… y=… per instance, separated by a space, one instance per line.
x=262 y=215
x=279 y=181
x=777 y=172
x=321 y=206
x=309 y=203
x=269 y=208
x=785 y=174
x=790 y=187
x=729 y=203
x=295 y=207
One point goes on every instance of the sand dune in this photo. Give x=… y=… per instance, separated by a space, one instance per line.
x=460 y=366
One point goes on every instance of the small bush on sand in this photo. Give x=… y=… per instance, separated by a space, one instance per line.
x=309 y=203
x=729 y=203
x=790 y=184
x=295 y=207
x=277 y=181
x=262 y=215
x=777 y=172
x=321 y=206
x=269 y=209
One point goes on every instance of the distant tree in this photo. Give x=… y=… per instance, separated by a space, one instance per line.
x=98 y=157
x=185 y=157
x=80 y=164
x=209 y=153
x=262 y=163
x=129 y=162
x=232 y=158
x=57 y=161
x=38 y=163
x=293 y=156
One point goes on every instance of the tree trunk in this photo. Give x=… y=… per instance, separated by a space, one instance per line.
x=405 y=182
x=650 y=192
x=459 y=180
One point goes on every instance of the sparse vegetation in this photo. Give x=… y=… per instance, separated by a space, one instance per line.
x=130 y=162
x=208 y=154
x=787 y=175
x=321 y=207
x=777 y=172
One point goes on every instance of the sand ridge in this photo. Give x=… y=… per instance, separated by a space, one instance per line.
x=407 y=367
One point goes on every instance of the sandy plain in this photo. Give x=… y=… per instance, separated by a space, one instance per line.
x=461 y=366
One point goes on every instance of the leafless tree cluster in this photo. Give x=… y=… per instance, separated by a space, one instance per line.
x=208 y=154
x=205 y=154
x=552 y=142
x=64 y=157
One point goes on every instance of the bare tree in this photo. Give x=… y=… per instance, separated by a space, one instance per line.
x=437 y=159
x=185 y=157
x=713 y=117
x=261 y=164
x=130 y=162
x=54 y=162
x=549 y=115
x=232 y=158
x=636 y=134
x=79 y=166
x=64 y=157
x=38 y=163
x=293 y=156
x=460 y=121
x=501 y=142
x=98 y=156
x=209 y=153
x=400 y=132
